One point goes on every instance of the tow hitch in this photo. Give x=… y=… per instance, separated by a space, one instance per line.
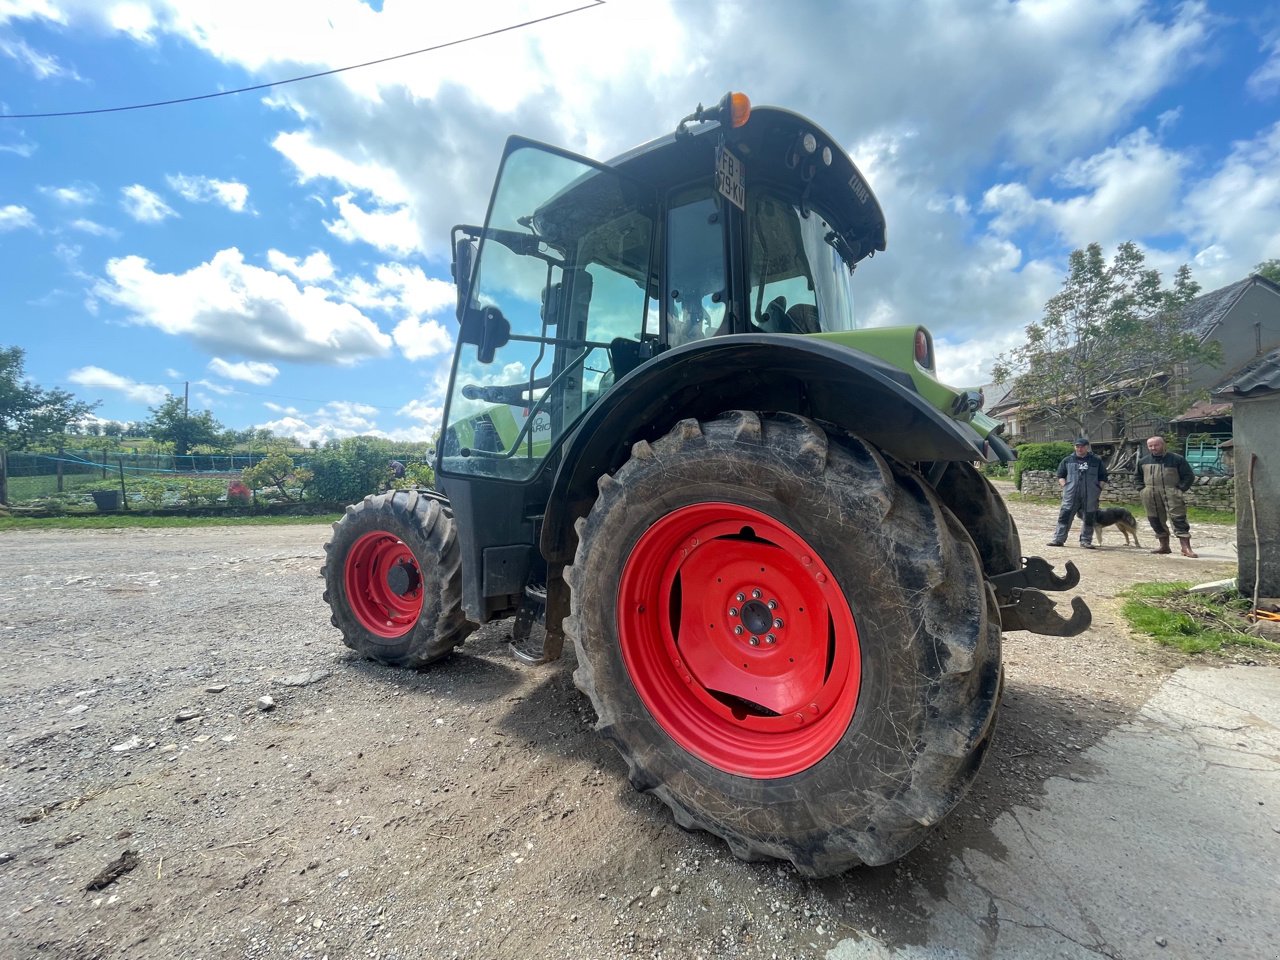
x=1024 y=606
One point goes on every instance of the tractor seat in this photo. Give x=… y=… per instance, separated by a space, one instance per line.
x=624 y=356
x=804 y=318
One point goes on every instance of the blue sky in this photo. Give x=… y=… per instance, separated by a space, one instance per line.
x=285 y=252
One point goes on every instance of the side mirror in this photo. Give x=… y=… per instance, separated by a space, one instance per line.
x=487 y=328
x=464 y=255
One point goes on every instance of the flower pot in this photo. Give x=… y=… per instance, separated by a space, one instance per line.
x=106 y=500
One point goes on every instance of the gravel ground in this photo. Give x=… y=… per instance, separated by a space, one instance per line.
x=464 y=811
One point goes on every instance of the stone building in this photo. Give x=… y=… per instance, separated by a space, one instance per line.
x=1254 y=393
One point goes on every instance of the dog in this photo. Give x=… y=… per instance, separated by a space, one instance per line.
x=1117 y=517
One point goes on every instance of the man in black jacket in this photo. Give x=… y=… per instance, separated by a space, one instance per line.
x=1081 y=475
x=1163 y=477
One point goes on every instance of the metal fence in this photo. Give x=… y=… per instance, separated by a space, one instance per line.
x=33 y=478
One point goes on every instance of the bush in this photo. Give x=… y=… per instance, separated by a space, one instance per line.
x=206 y=492
x=1039 y=456
x=153 y=492
x=238 y=495
x=348 y=470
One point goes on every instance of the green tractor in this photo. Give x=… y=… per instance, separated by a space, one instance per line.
x=761 y=528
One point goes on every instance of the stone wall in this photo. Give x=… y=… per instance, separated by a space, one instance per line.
x=1212 y=493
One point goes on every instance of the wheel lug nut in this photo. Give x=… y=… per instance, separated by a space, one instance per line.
x=777 y=623
x=733 y=611
x=741 y=597
x=770 y=638
x=756 y=594
x=738 y=631
x=755 y=641
x=773 y=604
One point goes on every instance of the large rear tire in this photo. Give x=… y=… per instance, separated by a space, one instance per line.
x=393 y=579
x=858 y=715
x=983 y=513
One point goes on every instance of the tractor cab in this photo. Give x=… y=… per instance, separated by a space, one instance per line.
x=584 y=271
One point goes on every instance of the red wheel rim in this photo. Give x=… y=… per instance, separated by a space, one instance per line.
x=698 y=586
x=384 y=584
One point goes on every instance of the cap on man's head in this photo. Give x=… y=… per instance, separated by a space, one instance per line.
x=1082 y=441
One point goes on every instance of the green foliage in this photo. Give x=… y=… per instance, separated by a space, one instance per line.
x=351 y=469
x=277 y=474
x=1039 y=456
x=1114 y=340
x=152 y=492
x=171 y=423
x=1269 y=269
x=30 y=414
x=1193 y=623
x=198 y=492
x=420 y=475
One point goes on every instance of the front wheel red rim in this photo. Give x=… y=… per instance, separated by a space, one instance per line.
x=739 y=640
x=384 y=584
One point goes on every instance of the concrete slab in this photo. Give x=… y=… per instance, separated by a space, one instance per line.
x=1168 y=848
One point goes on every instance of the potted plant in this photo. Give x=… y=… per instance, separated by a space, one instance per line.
x=106 y=495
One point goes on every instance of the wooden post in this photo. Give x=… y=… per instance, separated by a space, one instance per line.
x=4 y=477
x=124 y=494
x=59 y=469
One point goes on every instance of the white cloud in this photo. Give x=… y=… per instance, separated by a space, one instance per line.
x=1227 y=216
x=96 y=378
x=221 y=389
x=230 y=193
x=1265 y=81
x=428 y=414
x=251 y=371
x=389 y=229
x=42 y=65
x=24 y=149
x=227 y=305
x=135 y=19
x=317 y=266
x=145 y=206
x=15 y=217
x=1122 y=192
x=76 y=195
x=420 y=339
x=93 y=228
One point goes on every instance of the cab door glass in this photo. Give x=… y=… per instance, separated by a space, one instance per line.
x=696 y=285
x=562 y=269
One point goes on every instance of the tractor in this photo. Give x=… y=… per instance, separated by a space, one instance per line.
x=761 y=528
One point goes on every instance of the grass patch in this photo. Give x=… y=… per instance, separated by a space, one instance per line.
x=1193 y=623
x=112 y=521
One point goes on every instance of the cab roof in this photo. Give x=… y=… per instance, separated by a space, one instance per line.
x=770 y=146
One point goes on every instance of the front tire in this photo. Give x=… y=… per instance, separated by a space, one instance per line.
x=860 y=713
x=393 y=579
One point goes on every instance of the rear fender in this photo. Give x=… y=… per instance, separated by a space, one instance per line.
x=770 y=372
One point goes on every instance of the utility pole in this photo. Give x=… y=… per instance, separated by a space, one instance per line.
x=186 y=392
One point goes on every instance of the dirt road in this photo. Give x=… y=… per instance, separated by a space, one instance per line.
x=465 y=811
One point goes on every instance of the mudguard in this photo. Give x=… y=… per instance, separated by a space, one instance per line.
x=810 y=376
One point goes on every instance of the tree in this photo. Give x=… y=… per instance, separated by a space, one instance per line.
x=170 y=423
x=29 y=413
x=278 y=472
x=1113 y=341
x=1269 y=269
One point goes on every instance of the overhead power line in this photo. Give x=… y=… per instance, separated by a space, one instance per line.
x=309 y=76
